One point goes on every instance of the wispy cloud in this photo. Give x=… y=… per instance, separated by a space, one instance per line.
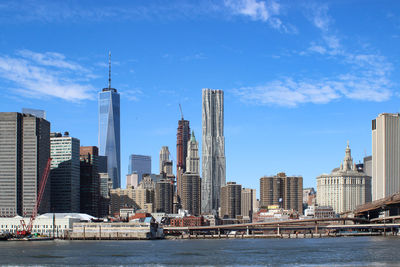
x=319 y=15
x=131 y=94
x=266 y=11
x=291 y=93
x=366 y=78
x=74 y=11
x=257 y=10
x=197 y=56
x=47 y=74
x=51 y=59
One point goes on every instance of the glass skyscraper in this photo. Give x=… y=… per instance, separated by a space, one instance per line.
x=139 y=164
x=109 y=131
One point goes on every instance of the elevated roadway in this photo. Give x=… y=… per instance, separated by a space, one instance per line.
x=298 y=224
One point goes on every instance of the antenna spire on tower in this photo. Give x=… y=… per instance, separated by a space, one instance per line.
x=109 y=69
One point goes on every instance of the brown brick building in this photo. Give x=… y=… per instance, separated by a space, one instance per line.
x=282 y=190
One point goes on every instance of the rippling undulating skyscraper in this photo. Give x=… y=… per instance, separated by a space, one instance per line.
x=109 y=130
x=213 y=149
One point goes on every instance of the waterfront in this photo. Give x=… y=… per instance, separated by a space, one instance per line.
x=347 y=251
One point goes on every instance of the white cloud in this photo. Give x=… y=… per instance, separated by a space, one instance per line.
x=45 y=75
x=292 y=93
x=51 y=59
x=287 y=93
x=317 y=13
x=266 y=11
x=132 y=94
x=317 y=49
x=257 y=10
x=367 y=79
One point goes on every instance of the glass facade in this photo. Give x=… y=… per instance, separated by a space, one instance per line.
x=139 y=164
x=109 y=133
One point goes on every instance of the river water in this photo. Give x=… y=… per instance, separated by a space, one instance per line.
x=344 y=251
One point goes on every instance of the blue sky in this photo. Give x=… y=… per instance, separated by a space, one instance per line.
x=300 y=77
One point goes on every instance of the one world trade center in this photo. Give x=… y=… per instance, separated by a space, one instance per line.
x=109 y=130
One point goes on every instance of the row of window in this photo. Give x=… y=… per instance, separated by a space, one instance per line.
x=34 y=226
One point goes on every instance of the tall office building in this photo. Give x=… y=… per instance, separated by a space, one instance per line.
x=385 y=155
x=283 y=191
x=345 y=187
x=164 y=196
x=182 y=139
x=191 y=182
x=90 y=181
x=213 y=149
x=132 y=180
x=65 y=173
x=367 y=166
x=102 y=160
x=109 y=130
x=24 y=152
x=144 y=194
x=122 y=198
x=249 y=202
x=164 y=157
x=231 y=200
x=193 y=159
x=139 y=164
x=105 y=188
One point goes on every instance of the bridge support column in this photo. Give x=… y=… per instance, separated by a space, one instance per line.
x=316 y=227
x=247 y=231
x=278 y=230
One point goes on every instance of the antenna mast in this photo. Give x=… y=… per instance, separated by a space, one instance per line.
x=180 y=108
x=109 y=69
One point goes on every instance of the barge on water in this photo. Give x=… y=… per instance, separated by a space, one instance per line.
x=116 y=231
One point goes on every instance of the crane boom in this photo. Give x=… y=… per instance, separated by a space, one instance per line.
x=26 y=230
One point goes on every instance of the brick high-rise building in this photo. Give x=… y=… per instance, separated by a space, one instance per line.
x=282 y=190
x=90 y=181
x=164 y=196
x=231 y=200
x=182 y=136
x=249 y=202
x=191 y=193
x=24 y=152
x=271 y=191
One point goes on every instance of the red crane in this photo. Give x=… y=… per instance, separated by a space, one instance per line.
x=27 y=229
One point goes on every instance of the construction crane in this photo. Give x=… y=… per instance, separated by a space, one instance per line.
x=27 y=229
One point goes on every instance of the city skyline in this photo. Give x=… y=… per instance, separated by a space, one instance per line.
x=295 y=86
